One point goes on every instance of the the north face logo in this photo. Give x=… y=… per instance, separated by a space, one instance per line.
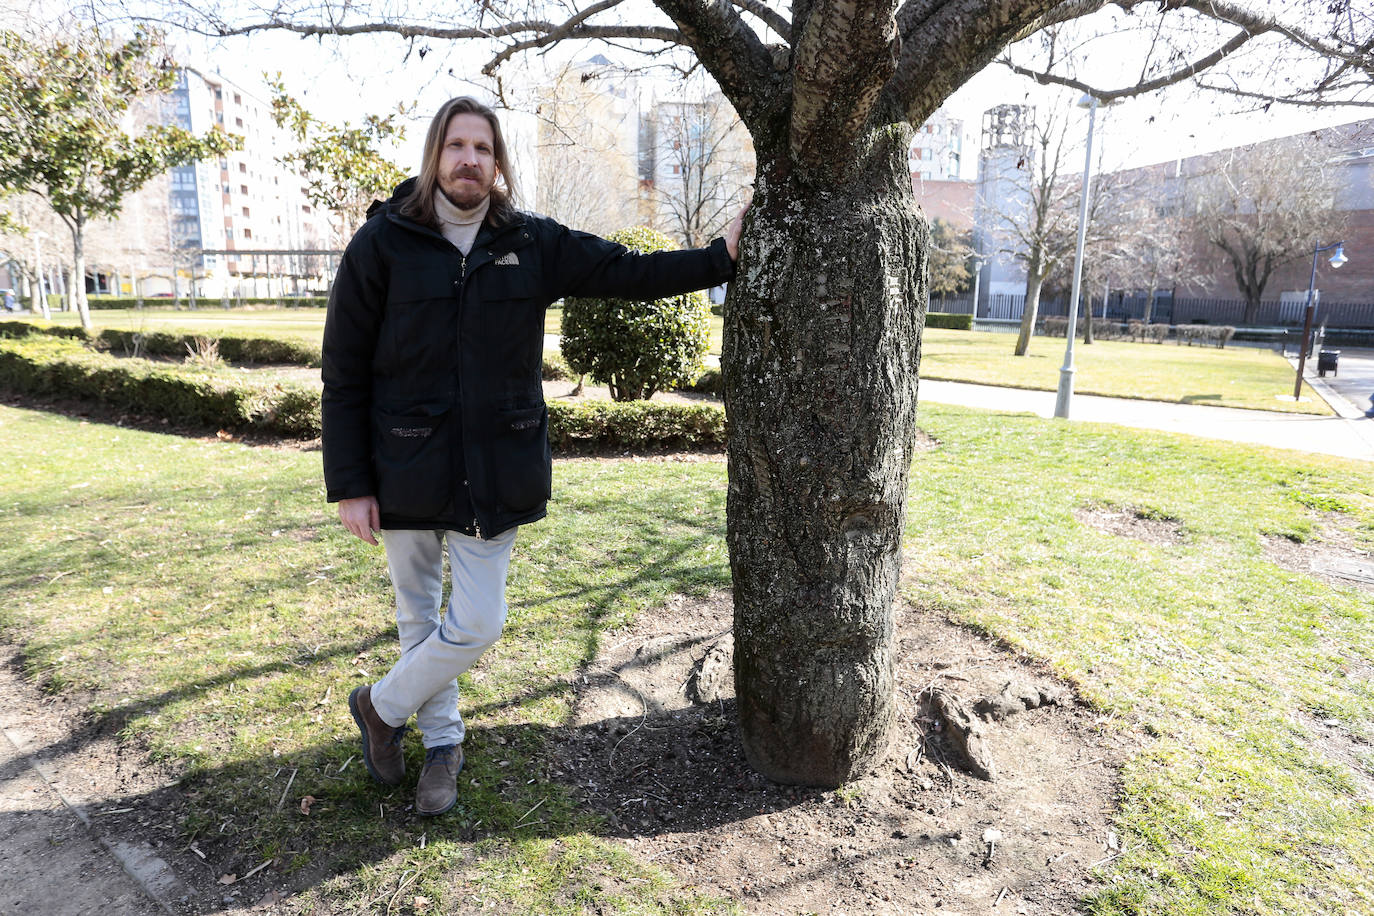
x=508 y=260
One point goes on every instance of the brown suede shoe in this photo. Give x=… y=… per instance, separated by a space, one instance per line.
x=381 y=742
x=438 y=788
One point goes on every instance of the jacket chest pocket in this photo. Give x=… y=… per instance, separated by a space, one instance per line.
x=419 y=327
x=512 y=314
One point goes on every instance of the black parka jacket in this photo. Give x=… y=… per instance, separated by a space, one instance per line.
x=433 y=398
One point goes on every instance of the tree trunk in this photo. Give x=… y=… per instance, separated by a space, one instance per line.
x=1030 y=313
x=823 y=328
x=78 y=295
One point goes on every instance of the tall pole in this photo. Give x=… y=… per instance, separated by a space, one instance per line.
x=1336 y=261
x=1065 y=395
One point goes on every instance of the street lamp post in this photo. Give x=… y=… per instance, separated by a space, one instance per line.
x=1065 y=396
x=1337 y=259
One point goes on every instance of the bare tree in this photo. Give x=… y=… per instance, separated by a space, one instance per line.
x=588 y=128
x=704 y=165
x=1037 y=223
x=1262 y=208
x=1154 y=241
x=823 y=322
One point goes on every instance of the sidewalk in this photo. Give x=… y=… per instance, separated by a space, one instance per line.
x=1348 y=438
x=1350 y=434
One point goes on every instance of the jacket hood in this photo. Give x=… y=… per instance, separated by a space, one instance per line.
x=401 y=192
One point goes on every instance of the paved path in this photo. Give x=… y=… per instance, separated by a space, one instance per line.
x=1346 y=437
x=1350 y=434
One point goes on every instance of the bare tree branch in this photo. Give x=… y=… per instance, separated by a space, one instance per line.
x=731 y=51
x=833 y=94
x=1348 y=56
x=1188 y=71
x=939 y=52
x=770 y=17
x=565 y=31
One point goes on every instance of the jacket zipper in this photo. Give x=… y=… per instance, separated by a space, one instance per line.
x=462 y=282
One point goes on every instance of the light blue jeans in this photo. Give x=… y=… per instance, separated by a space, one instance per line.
x=436 y=649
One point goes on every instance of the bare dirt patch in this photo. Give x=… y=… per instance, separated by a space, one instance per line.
x=1128 y=522
x=654 y=749
x=1331 y=556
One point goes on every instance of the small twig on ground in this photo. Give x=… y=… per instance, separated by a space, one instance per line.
x=408 y=877
x=113 y=811
x=644 y=717
x=255 y=871
x=1111 y=858
x=520 y=823
x=1087 y=763
x=284 y=792
x=347 y=762
x=1000 y=894
x=673 y=849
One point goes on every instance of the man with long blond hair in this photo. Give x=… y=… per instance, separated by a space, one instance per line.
x=435 y=428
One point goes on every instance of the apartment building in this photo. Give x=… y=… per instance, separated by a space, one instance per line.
x=234 y=226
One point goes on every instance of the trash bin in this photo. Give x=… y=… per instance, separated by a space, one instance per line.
x=1327 y=361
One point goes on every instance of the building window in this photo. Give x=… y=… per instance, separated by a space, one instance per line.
x=238 y=99
x=243 y=167
x=305 y=208
x=243 y=189
x=245 y=211
x=248 y=233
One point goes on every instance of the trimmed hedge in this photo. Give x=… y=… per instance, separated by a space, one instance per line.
x=1215 y=335
x=46 y=366
x=50 y=366
x=16 y=329
x=709 y=382
x=594 y=425
x=949 y=320
x=206 y=302
x=232 y=347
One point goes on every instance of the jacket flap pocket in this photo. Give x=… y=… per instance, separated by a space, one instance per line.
x=422 y=284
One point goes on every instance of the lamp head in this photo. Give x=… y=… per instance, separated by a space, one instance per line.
x=1339 y=257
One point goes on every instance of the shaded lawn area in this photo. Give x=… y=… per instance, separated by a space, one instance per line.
x=1233 y=377
x=201 y=595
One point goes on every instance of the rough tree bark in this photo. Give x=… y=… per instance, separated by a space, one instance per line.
x=826 y=331
x=823 y=322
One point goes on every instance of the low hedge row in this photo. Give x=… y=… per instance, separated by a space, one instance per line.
x=210 y=302
x=183 y=394
x=595 y=425
x=49 y=366
x=13 y=329
x=950 y=320
x=232 y=347
x=1216 y=335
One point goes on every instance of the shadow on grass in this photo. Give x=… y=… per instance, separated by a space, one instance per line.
x=1199 y=398
x=664 y=773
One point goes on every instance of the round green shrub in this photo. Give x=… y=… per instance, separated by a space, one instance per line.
x=637 y=348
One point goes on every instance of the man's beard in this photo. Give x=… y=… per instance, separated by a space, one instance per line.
x=471 y=199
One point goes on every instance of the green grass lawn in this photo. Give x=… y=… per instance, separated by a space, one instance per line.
x=201 y=596
x=1233 y=377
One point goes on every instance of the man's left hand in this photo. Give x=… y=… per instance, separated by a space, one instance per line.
x=732 y=233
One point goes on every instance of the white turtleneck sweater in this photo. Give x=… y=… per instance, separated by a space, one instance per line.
x=459 y=226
